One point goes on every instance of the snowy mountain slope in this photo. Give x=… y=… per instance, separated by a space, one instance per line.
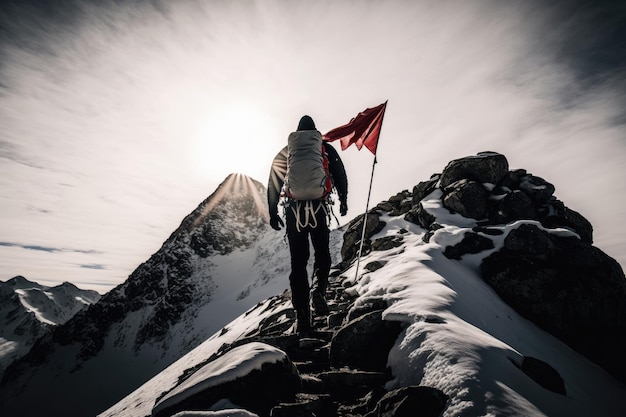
x=196 y=283
x=28 y=310
x=460 y=337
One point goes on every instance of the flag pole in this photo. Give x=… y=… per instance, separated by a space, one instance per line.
x=358 y=259
x=367 y=204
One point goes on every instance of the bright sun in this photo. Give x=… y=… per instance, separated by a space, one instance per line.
x=235 y=138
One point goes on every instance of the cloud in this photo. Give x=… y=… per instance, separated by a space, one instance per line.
x=50 y=249
x=92 y=266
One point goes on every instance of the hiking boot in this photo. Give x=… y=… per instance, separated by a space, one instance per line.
x=303 y=321
x=319 y=303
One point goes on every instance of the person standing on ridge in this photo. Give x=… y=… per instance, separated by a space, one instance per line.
x=304 y=172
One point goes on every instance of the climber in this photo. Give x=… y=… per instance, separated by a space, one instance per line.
x=304 y=173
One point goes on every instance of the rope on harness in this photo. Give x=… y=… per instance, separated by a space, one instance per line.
x=309 y=213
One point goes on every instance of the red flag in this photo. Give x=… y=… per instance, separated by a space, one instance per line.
x=363 y=130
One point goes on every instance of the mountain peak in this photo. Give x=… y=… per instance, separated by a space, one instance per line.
x=19 y=282
x=232 y=216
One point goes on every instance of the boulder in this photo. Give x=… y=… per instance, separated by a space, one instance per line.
x=254 y=376
x=536 y=188
x=558 y=215
x=486 y=167
x=420 y=216
x=468 y=198
x=471 y=243
x=515 y=205
x=364 y=343
x=423 y=189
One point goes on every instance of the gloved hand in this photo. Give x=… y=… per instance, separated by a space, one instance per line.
x=343 y=208
x=276 y=222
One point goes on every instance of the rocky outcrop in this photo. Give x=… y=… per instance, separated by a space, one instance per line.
x=486 y=167
x=481 y=187
x=554 y=278
x=567 y=287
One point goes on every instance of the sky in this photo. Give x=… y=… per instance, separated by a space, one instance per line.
x=119 y=117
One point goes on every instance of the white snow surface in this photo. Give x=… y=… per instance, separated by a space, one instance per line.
x=460 y=338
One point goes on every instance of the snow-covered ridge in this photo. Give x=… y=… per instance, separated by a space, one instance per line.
x=459 y=337
x=29 y=310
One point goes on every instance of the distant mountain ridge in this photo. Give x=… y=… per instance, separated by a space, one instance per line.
x=28 y=310
x=196 y=282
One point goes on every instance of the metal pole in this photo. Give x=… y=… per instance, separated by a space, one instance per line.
x=358 y=259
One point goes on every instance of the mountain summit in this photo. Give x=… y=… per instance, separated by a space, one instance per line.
x=480 y=294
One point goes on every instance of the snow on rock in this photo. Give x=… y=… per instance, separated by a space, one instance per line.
x=210 y=382
x=140 y=402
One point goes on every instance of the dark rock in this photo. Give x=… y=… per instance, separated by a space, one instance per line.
x=543 y=374
x=336 y=319
x=530 y=240
x=420 y=216
x=536 y=188
x=561 y=216
x=399 y=198
x=404 y=208
x=386 y=243
x=384 y=206
x=307 y=405
x=433 y=228
x=486 y=167
x=516 y=206
x=468 y=198
x=257 y=391
x=471 y=243
x=423 y=189
x=375 y=265
x=352 y=384
x=353 y=233
x=413 y=401
x=567 y=287
x=511 y=180
x=364 y=343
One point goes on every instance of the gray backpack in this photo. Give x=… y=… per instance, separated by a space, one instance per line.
x=307 y=175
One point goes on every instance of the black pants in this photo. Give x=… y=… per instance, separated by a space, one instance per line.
x=317 y=229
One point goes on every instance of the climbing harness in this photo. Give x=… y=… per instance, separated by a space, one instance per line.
x=306 y=214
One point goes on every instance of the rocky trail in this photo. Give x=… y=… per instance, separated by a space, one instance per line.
x=342 y=363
